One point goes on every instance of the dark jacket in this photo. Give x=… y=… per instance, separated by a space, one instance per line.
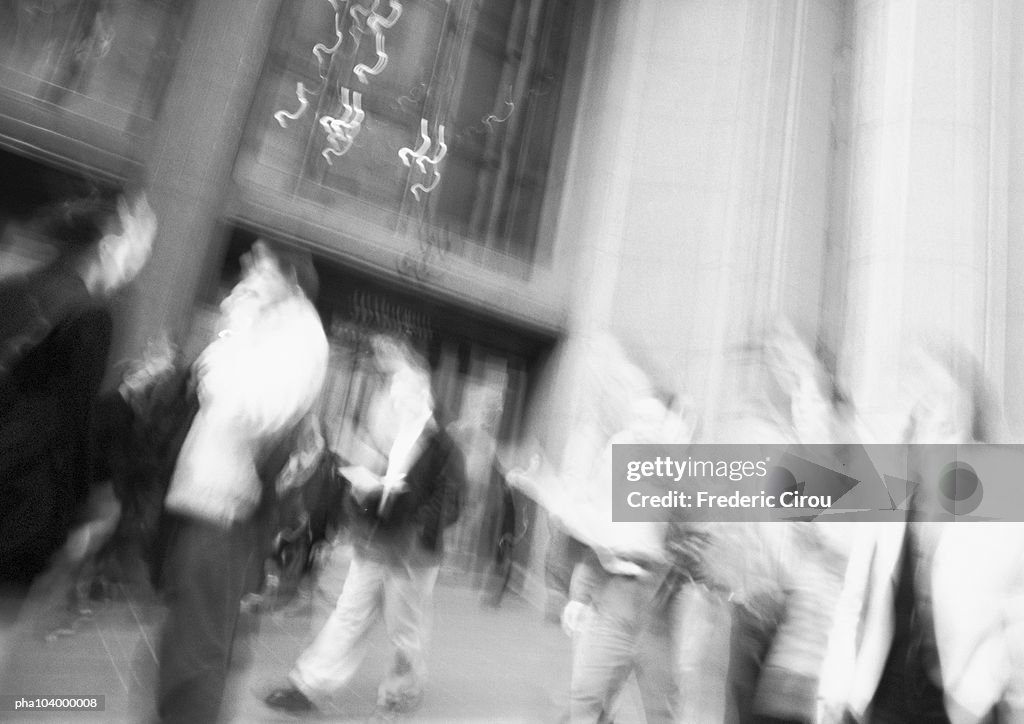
x=53 y=352
x=431 y=502
x=137 y=443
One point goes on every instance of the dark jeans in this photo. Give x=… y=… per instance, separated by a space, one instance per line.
x=760 y=694
x=208 y=570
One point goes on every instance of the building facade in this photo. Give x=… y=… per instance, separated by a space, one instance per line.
x=508 y=178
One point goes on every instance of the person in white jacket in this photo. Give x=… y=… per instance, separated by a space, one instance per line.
x=256 y=381
x=621 y=624
x=931 y=624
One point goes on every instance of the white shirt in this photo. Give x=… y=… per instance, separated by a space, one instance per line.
x=254 y=383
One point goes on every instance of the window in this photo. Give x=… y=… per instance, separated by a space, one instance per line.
x=108 y=61
x=431 y=118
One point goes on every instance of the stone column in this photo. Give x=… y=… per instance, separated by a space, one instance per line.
x=189 y=163
x=1014 y=350
x=726 y=221
x=698 y=184
x=928 y=190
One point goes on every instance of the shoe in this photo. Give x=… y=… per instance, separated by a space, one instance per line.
x=289 y=699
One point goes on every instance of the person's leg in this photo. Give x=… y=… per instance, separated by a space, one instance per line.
x=205 y=577
x=408 y=608
x=747 y=647
x=338 y=650
x=702 y=622
x=604 y=652
x=331 y=569
x=655 y=671
x=30 y=526
x=12 y=599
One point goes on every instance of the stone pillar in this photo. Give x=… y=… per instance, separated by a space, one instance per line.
x=928 y=190
x=189 y=163
x=591 y=224
x=1014 y=351
x=764 y=258
x=725 y=224
x=599 y=179
x=698 y=183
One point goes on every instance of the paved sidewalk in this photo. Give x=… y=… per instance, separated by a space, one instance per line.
x=486 y=664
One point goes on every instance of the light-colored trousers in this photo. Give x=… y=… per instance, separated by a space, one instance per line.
x=403 y=593
x=623 y=636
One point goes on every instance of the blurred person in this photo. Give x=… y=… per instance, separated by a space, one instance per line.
x=761 y=595
x=256 y=381
x=607 y=382
x=564 y=553
x=506 y=526
x=139 y=429
x=619 y=597
x=767 y=595
x=796 y=399
x=97 y=551
x=146 y=420
x=32 y=195
x=941 y=624
x=55 y=336
x=407 y=482
x=308 y=516
x=476 y=433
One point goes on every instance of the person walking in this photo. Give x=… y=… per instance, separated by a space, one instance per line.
x=256 y=381
x=406 y=492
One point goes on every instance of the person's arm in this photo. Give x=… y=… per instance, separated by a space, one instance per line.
x=559 y=495
x=1014 y=628
x=841 y=652
x=587 y=576
x=541 y=485
x=445 y=488
x=557 y=491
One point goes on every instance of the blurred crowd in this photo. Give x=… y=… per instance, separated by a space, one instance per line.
x=814 y=621
x=215 y=478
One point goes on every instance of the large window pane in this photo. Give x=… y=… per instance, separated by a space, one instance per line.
x=107 y=60
x=422 y=116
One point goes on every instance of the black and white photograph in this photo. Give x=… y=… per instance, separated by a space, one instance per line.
x=512 y=361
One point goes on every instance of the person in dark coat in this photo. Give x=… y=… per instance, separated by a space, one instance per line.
x=54 y=339
x=138 y=431
x=407 y=490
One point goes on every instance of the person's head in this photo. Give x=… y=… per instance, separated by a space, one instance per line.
x=613 y=382
x=409 y=391
x=952 y=401
x=683 y=420
x=127 y=244
x=272 y=274
x=391 y=353
x=804 y=388
x=659 y=417
x=406 y=373
x=106 y=243
x=812 y=407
